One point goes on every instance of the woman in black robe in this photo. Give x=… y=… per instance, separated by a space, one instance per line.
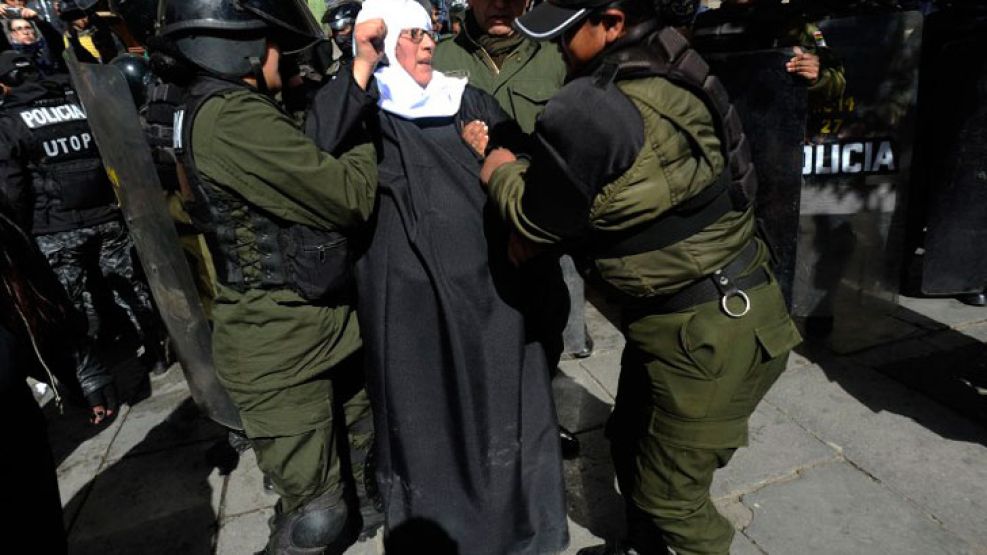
x=467 y=435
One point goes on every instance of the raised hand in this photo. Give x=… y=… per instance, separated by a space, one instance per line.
x=368 y=39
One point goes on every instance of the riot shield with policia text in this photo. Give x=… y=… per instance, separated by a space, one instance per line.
x=857 y=167
x=130 y=167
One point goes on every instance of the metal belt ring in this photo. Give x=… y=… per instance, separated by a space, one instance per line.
x=743 y=296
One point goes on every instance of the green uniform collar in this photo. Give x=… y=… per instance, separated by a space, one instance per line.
x=497 y=47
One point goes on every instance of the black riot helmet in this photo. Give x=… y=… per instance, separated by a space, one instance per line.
x=139 y=15
x=341 y=18
x=16 y=69
x=70 y=10
x=341 y=14
x=229 y=37
x=138 y=74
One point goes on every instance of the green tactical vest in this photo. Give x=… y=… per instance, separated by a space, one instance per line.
x=680 y=157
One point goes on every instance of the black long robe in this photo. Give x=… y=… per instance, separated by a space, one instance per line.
x=467 y=435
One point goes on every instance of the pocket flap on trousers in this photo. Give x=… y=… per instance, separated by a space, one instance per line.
x=777 y=339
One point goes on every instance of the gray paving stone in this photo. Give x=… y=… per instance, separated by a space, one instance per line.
x=80 y=449
x=778 y=449
x=949 y=340
x=836 y=509
x=72 y=436
x=735 y=511
x=369 y=546
x=174 y=419
x=245 y=488
x=797 y=359
x=580 y=537
x=859 y=329
x=605 y=369
x=170 y=381
x=600 y=320
x=949 y=312
x=894 y=352
x=914 y=446
x=594 y=503
x=906 y=314
x=161 y=502
x=245 y=533
x=976 y=331
x=581 y=402
x=248 y=533
x=75 y=474
x=742 y=545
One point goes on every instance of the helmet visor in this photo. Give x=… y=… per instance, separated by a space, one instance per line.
x=297 y=27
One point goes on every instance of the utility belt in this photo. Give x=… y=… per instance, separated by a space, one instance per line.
x=723 y=285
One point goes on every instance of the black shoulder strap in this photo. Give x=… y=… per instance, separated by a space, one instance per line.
x=195 y=98
x=667 y=54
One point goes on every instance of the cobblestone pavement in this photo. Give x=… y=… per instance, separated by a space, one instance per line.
x=872 y=442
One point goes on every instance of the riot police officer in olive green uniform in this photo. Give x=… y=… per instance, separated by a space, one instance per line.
x=641 y=167
x=275 y=209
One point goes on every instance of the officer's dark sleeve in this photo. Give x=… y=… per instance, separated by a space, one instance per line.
x=502 y=130
x=587 y=137
x=335 y=119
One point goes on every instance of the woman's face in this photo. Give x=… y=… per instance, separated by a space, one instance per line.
x=414 y=51
x=22 y=32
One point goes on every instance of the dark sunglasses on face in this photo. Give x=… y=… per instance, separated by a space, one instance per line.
x=417 y=35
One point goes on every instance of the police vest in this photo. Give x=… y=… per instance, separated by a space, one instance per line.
x=158 y=121
x=67 y=165
x=665 y=53
x=284 y=255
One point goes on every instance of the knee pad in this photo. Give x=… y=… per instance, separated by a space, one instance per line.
x=315 y=527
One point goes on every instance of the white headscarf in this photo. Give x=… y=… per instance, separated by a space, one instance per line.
x=399 y=93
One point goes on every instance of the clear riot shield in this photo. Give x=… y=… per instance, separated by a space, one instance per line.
x=953 y=153
x=772 y=108
x=856 y=169
x=127 y=159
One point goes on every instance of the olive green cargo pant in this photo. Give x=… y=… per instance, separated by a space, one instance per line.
x=307 y=454
x=689 y=382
